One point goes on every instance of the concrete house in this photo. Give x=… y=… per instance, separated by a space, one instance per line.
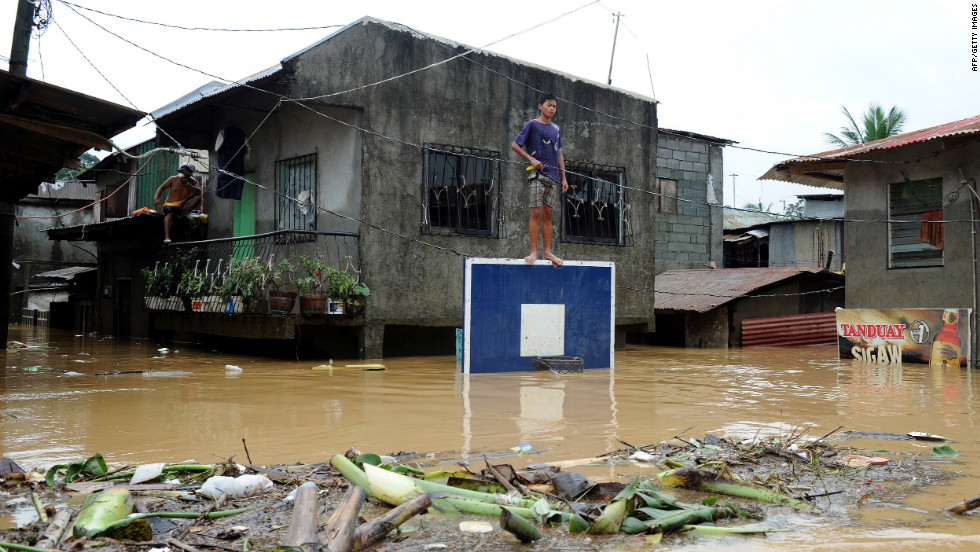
x=912 y=216
x=690 y=174
x=397 y=174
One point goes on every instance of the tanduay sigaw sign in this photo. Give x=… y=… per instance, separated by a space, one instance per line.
x=939 y=337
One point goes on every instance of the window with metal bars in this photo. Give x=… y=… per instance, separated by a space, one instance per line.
x=296 y=201
x=915 y=241
x=595 y=207
x=461 y=190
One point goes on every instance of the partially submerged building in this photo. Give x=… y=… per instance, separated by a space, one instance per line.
x=912 y=216
x=399 y=180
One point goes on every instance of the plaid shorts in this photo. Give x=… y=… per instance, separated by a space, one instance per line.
x=542 y=190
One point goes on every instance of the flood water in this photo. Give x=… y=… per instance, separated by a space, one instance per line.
x=187 y=405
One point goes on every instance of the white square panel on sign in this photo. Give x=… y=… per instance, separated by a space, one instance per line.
x=542 y=330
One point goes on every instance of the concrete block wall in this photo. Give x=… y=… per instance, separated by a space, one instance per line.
x=687 y=239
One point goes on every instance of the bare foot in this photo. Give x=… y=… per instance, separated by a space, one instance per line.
x=532 y=257
x=555 y=261
x=167 y=240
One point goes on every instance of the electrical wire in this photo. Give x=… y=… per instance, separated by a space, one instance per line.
x=212 y=29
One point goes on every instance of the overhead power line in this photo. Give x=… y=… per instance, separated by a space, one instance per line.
x=211 y=29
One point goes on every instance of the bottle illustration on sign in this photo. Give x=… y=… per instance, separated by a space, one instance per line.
x=946 y=344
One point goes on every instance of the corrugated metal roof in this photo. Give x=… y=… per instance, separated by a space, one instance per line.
x=824 y=170
x=819 y=328
x=210 y=89
x=65 y=273
x=696 y=136
x=735 y=219
x=66 y=190
x=702 y=290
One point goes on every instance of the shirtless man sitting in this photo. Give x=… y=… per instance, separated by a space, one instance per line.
x=183 y=186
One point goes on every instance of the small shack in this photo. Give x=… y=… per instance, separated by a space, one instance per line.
x=724 y=307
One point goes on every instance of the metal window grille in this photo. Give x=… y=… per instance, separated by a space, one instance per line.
x=461 y=190
x=596 y=207
x=297 y=193
x=914 y=242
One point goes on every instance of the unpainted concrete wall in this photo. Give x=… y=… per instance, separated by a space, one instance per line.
x=691 y=238
x=871 y=284
x=477 y=102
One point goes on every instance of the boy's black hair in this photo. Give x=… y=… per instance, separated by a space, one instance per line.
x=545 y=96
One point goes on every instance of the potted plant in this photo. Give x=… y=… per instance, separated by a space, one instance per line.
x=191 y=288
x=351 y=292
x=239 y=285
x=276 y=276
x=155 y=286
x=313 y=271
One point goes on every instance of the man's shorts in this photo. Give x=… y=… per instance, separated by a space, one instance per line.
x=167 y=209
x=542 y=190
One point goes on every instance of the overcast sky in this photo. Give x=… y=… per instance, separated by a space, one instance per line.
x=770 y=75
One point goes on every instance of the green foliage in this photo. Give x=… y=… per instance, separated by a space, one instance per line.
x=758 y=206
x=95 y=465
x=794 y=209
x=242 y=278
x=87 y=160
x=876 y=124
x=275 y=275
x=313 y=273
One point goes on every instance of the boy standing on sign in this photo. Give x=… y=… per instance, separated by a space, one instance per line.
x=540 y=143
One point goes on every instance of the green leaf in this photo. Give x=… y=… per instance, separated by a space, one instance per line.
x=633 y=526
x=944 y=450
x=372 y=459
x=52 y=471
x=630 y=490
x=541 y=510
x=710 y=501
x=577 y=524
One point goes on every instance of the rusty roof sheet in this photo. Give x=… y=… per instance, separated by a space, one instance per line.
x=735 y=219
x=67 y=189
x=702 y=290
x=781 y=171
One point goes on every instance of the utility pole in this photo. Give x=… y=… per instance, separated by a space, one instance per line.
x=733 y=175
x=20 y=45
x=613 y=56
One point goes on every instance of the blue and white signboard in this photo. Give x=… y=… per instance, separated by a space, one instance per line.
x=514 y=312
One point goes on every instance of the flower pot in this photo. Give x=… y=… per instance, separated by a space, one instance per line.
x=312 y=304
x=214 y=303
x=281 y=302
x=335 y=306
x=197 y=304
x=353 y=307
x=233 y=305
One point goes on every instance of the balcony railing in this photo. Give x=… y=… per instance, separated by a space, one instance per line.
x=211 y=258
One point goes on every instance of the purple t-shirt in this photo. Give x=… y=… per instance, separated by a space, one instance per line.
x=542 y=141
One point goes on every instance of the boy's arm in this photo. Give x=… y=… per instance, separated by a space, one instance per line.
x=156 y=197
x=561 y=169
x=530 y=159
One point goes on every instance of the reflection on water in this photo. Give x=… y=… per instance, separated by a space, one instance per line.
x=184 y=404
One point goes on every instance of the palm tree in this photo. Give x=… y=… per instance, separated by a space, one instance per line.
x=758 y=206
x=877 y=125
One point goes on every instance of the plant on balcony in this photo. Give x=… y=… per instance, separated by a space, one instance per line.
x=350 y=291
x=313 y=273
x=161 y=283
x=275 y=276
x=241 y=282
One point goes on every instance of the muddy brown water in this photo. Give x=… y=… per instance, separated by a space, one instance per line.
x=187 y=405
